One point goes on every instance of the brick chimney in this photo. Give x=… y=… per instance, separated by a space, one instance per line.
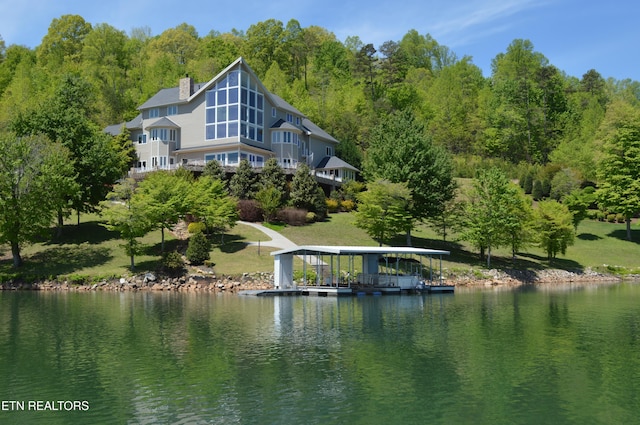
x=186 y=87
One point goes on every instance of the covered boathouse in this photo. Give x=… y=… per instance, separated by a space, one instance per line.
x=349 y=270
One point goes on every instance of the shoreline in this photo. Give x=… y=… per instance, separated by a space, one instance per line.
x=202 y=281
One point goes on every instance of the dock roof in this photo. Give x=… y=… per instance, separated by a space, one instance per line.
x=358 y=250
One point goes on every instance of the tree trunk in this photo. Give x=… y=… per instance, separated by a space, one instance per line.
x=15 y=251
x=162 y=240
x=60 y=224
x=628 y=220
x=133 y=263
x=78 y=217
x=409 y=237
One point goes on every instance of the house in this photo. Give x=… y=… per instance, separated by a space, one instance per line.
x=227 y=119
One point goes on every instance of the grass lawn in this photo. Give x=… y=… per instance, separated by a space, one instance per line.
x=598 y=245
x=92 y=250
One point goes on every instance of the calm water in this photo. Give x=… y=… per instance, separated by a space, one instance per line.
x=480 y=357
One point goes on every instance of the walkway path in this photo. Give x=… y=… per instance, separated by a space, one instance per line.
x=277 y=240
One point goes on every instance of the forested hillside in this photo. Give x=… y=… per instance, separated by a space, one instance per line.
x=410 y=114
x=527 y=111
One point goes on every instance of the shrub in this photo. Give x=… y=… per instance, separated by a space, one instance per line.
x=600 y=215
x=292 y=216
x=249 y=210
x=347 y=205
x=196 y=227
x=172 y=263
x=333 y=205
x=620 y=218
x=611 y=218
x=311 y=217
x=198 y=249
x=298 y=276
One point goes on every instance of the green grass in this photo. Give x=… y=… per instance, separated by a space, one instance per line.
x=598 y=245
x=91 y=252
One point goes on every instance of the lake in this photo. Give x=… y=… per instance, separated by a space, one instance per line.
x=564 y=355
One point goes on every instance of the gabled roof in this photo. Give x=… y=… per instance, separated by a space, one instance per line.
x=285 y=125
x=163 y=122
x=167 y=97
x=333 y=162
x=116 y=129
x=171 y=96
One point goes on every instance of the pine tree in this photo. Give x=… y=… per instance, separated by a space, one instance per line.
x=243 y=183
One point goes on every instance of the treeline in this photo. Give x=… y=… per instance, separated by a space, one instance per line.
x=527 y=111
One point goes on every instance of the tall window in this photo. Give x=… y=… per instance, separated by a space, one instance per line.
x=154 y=113
x=235 y=107
x=172 y=110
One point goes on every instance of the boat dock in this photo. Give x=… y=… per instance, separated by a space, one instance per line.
x=356 y=270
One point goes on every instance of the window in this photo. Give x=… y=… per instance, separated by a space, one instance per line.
x=285 y=137
x=234 y=107
x=173 y=135
x=154 y=134
x=172 y=110
x=273 y=112
x=154 y=113
x=289 y=117
x=297 y=120
x=329 y=151
x=164 y=134
x=142 y=139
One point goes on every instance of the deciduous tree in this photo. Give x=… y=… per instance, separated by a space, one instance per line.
x=383 y=210
x=619 y=169
x=164 y=198
x=554 y=227
x=35 y=177
x=125 y=215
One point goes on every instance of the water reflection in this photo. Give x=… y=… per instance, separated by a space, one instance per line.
x=522 y=356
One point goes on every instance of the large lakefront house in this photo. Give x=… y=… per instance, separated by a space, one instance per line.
x=227 y=119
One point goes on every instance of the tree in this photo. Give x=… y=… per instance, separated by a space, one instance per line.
x=273 y=175
x=383 y=210
x=578 y=202
x=65 y=118
x=164 y=198
x=401 y=152
x=208 y=201
x=63 y=41
x=215 y=170
x=198 y=250
x=35 y=176
x=269 y=199
x=243 y=183
x=519 y=219
x=495 y=214
x=305 y=192
x=526 y=105
x=619 y=169
x=126 y=215
x=554 y=227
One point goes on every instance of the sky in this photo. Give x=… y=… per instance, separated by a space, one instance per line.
x=574 y=35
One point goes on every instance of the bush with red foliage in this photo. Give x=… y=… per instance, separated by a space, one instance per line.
x=249 y=210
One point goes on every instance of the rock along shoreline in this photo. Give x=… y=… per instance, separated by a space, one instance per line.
x=211 y=283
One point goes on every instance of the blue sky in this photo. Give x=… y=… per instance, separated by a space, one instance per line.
x=574 y=35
